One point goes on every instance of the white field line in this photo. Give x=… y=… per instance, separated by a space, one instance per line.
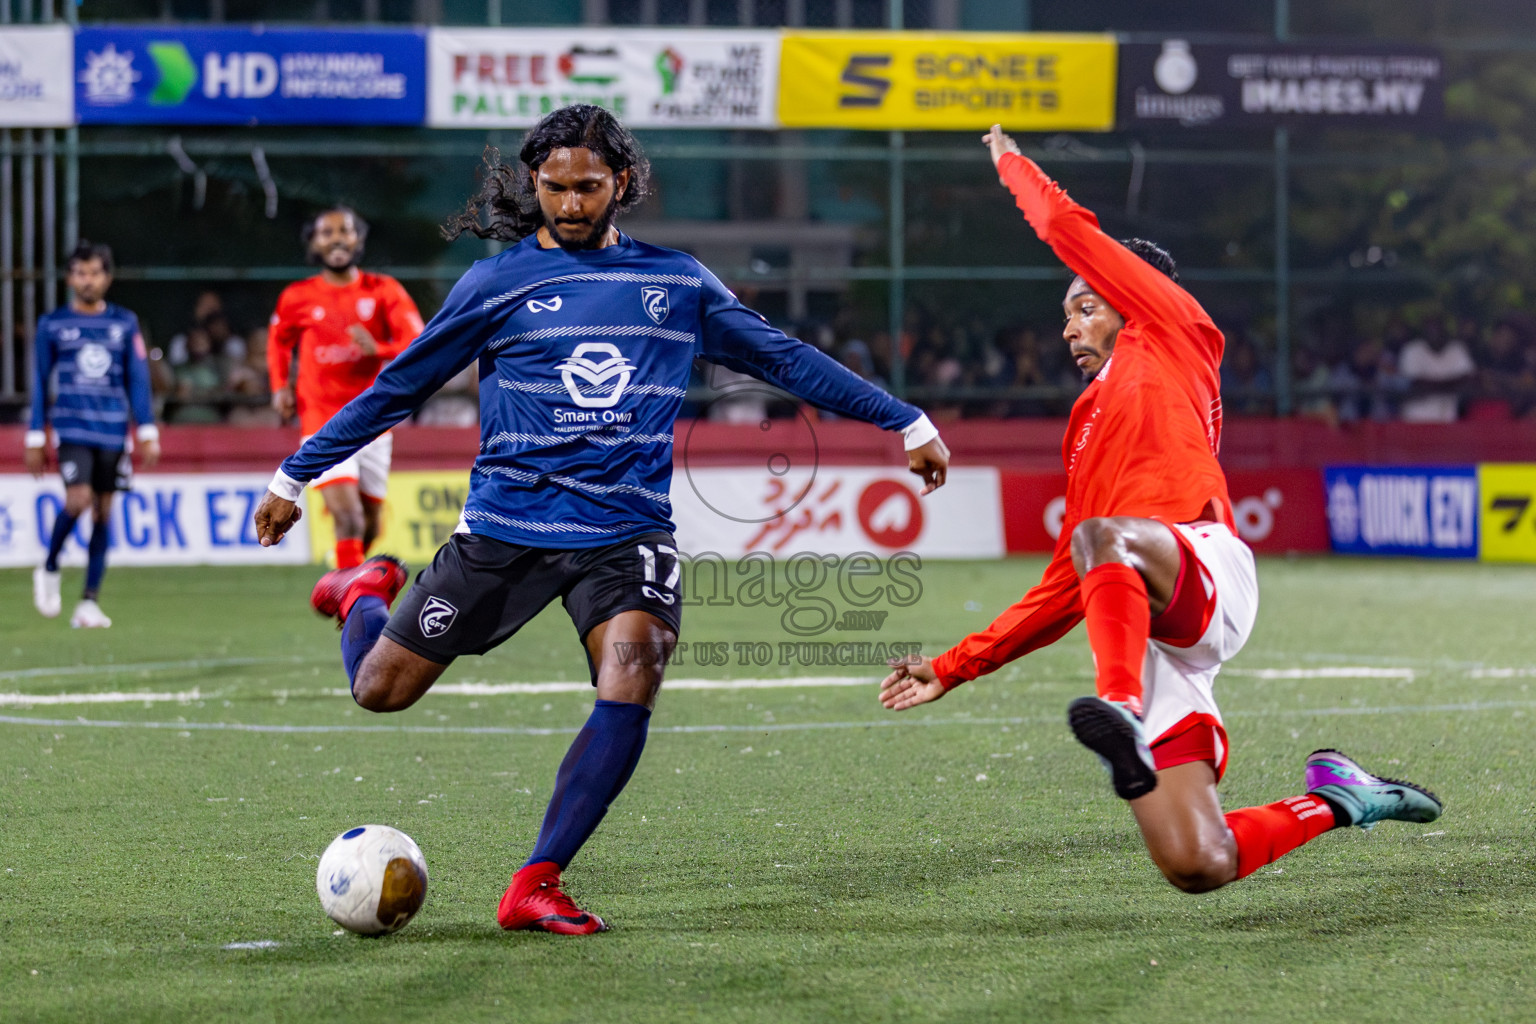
x=1338 y=672
x=23 y=700
x=488 y=689
x=194 y=665
x=451 y=689
x=1468 y=707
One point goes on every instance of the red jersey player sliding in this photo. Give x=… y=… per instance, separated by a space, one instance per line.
x=1149 y=558
x=346 y=324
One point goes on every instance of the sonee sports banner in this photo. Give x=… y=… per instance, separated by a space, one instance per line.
x=172 y=75
x=923 y=80
x=509 y=78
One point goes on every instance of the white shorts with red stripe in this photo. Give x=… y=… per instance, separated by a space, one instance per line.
x=368 y=468
x=1177 y=682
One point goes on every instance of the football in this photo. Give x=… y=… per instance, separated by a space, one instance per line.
x=372 y=879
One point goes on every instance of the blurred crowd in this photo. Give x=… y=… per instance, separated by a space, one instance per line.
x=1434 y=369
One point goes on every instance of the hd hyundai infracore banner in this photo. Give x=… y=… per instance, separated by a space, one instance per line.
x=173 y=75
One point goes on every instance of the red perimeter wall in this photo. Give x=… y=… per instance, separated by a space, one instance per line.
x=1272 y=465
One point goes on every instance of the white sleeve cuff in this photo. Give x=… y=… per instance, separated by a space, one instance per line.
x=148 y=432
x=919 y=432
x=36 y=439
x=286 y=487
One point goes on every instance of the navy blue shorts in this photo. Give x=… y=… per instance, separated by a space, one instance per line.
x=478 y=591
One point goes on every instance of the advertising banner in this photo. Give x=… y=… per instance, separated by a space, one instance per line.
x=1507 y=527
x=1428 y=511
x=1199 y=85
x=37 y=87
x=509 y=78
x=1277 y=510
x=167 y=74
x=944 y=82
x=167 y=519
x=836 y=511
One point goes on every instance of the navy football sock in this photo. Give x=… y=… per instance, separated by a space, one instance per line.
x=61 y=528
x=594 y=772
x=361 y=631
x=96 y=566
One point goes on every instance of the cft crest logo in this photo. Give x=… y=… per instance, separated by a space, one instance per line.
x=168 y=75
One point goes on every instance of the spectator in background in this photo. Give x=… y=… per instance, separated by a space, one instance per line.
x=208 y=304
x=199 y=381
x=1247 y=386
x=227 y=345
x=1438 y=369
x=1365 y=384
x=1506 y=375
x=248 y=383
x=1310 y=378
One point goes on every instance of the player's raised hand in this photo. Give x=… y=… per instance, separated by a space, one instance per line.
x=274 y=517
x=999 y=143
x=910 y=684
x=931 y=462
x=37 y=461
x=363 y=340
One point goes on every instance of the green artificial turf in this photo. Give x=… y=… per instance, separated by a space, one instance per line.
x=819 y=859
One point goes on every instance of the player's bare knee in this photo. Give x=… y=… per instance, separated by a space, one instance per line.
x=1200 y=869
x=1096 y=541
x=374 y=688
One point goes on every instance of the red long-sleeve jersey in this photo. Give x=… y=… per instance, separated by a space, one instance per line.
x=315 y=317
x=1143 y=437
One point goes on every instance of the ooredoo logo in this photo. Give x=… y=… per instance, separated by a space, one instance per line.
x=890 y=514
x=596 y=373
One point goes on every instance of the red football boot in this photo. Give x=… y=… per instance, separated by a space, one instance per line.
x=336 y=592
x=534 y=901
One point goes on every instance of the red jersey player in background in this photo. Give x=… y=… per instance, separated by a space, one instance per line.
x=1149 y=557
x=346 y=324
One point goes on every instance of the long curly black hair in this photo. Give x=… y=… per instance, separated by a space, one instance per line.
x=507 y=209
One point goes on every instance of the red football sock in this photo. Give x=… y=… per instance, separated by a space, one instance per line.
x=1265 y=834
x=1119 y=621
x=349 y=553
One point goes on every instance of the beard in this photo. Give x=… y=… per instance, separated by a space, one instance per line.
x=591 y=239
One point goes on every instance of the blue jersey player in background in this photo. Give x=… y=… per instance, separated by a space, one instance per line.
x=91 y=375
x=584 y=339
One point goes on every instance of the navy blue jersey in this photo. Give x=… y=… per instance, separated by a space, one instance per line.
x=583 y=361
x=101 y=375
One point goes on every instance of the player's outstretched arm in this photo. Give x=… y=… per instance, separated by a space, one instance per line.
x=1133 y=287
x=274 y=517
x=735 y=336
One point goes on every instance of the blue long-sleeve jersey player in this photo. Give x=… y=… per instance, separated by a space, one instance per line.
x=583 y=361
x=99 y=373
x=90 y=374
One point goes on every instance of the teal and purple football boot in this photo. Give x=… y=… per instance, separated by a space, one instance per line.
x=1361 y=799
